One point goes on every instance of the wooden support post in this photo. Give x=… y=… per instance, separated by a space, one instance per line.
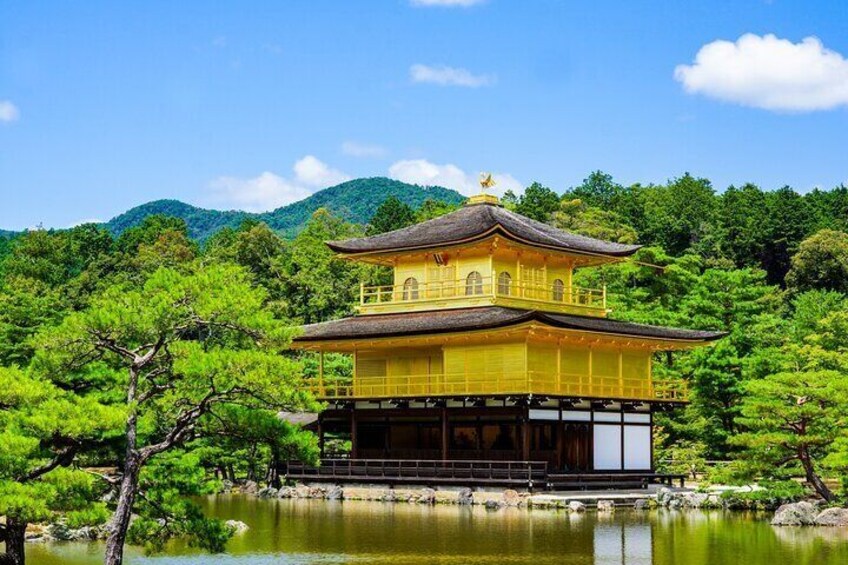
x=445 y=438
x=353 y=442
x=525 y=435
x=320 y=438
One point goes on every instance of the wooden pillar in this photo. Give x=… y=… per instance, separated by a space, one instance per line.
x=320 y=438
x=444 y=419
x=525 y=435
x=353 y=442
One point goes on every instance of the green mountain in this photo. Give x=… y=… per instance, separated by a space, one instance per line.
x=355 y=200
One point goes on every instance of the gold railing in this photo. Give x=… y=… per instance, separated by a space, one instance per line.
x=555 y=296
x=532 y=382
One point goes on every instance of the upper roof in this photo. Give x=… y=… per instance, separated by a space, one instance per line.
x=475 y=222
x=491 y=317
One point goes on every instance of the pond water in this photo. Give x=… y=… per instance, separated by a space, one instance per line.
x=291 y=532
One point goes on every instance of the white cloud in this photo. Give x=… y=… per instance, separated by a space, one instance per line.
x=448 y=76
x=269 y=190
x=356 y=149
x=770 y=73
x=8 y=111
x=425 y=173
x=447 y=3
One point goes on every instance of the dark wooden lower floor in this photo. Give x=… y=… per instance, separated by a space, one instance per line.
x=565 y=441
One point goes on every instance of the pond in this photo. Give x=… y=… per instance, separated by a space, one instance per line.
x=298 y=532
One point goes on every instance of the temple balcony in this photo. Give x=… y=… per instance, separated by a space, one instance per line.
x=482 y=291
x=499 y=384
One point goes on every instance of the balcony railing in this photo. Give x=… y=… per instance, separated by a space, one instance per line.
x=531 y=382
x=482 y=290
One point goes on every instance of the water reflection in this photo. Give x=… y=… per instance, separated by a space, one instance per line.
x=318 y=532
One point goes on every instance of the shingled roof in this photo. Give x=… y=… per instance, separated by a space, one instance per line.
x=489 y=317
x=476 y=222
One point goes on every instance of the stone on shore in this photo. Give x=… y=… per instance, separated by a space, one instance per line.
x=642 y=504
x=795 y=514
x=606 y=506
x=267 y=492
x=575 y=506
x=493 y=505
x=237 y=526
x=249 y=487
x=335 y=492
x=833 y=517
x=427 y=496
x=465 y=497
x=511 y=498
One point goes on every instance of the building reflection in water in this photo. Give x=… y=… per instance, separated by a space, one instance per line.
x=623 y=543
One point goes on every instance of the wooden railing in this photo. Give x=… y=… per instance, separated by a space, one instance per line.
x=530 y=382
x=424 y=471
x=555 y=297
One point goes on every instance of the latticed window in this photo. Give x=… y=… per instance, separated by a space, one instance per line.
x=473 y=283
x=558 y=290
x=504 y=283
x=410 y=289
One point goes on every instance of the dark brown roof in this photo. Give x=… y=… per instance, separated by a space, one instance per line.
x=465 y=319
x=479 y=221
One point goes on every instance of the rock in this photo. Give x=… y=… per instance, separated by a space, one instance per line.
x=447 y=496
x=335 y=492
x=389 y=496
x=642 y=504
x=511 y=498
x=427 y=496
x=226 y=485
x=606 y=506
x=833 y=517
x=237 y=526
x=60 y=531
x=301 y=491
x=493 y=505
x=795 y=514
x=317 y=492
x=267 y=492
x=664 y=496
x=674 y=503
x=286 y=492
x=576 y=506
x=465 y=497
x=249 y=487
x=693 y=499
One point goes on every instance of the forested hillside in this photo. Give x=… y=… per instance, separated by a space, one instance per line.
x=355 y=201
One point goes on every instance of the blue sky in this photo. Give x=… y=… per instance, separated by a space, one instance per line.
x=251 y=105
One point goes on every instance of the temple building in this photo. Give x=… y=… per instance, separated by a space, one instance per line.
x=483 y=352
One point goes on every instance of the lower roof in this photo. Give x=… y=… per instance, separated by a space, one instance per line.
x=482 y=318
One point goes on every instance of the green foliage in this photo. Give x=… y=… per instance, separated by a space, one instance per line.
x=820 y=263
x=793 y=417
x=319 y=286
x=768 y=495
x=165 y=511
x=391 y=215
x=538 y=202
x=577 y=217
x=431 y=209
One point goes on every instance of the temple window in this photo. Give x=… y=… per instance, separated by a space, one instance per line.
x=473 y=283
x=410 y=289
x=504 y=282
x=558 y=290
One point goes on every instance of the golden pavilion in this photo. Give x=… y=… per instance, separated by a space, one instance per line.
x=483 y=362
